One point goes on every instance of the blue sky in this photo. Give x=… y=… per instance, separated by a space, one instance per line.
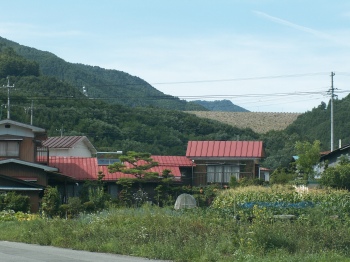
x=263 y=55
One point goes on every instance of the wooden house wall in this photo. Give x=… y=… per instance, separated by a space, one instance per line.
x=26 y=150
x=20 y=171
x=35 y=200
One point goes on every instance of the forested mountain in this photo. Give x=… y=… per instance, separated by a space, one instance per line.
x=221 y=106
x=111 y=85
x=110 y=126
x=144 y=126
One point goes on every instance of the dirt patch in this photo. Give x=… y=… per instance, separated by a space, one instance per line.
x=259 y=122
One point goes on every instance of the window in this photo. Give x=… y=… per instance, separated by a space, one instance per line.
x=9 y=148
x=221 y=173
x=107 y=158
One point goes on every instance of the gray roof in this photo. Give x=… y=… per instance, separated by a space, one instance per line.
x=21 y=162
x=68 y=142
x=33 y=128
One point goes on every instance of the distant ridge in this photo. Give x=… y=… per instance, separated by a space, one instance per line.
x=220 y=106
x=259 y=122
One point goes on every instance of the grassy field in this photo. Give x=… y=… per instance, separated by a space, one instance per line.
x=204 y=234
x=258 y=122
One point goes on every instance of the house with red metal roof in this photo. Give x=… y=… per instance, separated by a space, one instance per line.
x=82 y=169
x=217 y=161
x=78 y=146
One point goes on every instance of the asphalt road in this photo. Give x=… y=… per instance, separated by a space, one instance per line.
x=20 y=252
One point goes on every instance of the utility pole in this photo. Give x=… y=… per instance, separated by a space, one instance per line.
x=31 y=114
x=8 y=96
x=332 y=120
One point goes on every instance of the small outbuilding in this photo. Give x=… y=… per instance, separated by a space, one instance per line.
x=185 y=201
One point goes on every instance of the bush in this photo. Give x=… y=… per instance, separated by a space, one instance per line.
x=51 y=201
x=89 y=206
x=15 y=202
x=233 y=182
x=282 y=176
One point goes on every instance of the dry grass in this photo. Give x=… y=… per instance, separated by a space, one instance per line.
x=258 y=122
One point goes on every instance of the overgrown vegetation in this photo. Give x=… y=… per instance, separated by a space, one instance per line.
x=207 y=234
x=15 y=202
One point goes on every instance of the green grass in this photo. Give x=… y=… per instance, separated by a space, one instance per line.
x=191 y=235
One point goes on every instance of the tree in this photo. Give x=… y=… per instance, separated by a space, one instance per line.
x=308 y=156
x=337 y=176
x=51 y=201
x=163 y=189
x=135 y=163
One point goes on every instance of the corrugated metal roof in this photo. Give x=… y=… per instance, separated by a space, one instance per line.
x=237 y=149
x=173 y=160
x=86 y=168
x=62 y=141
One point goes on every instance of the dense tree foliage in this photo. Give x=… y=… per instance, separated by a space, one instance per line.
x=110 y=127
x=13 y=64
x=337 y=176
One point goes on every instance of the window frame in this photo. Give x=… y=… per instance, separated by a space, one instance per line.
x=222 y=173
x=10 y=148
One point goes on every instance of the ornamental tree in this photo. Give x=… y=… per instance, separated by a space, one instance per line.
x=136 y=164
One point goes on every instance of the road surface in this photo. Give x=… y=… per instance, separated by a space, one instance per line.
x=20 y=252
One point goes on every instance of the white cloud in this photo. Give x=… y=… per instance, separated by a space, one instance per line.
x=293 y=25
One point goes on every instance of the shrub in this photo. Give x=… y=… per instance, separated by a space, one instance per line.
x=89 y=206
x=282 y=176
x=17 y=202
x=51 y=201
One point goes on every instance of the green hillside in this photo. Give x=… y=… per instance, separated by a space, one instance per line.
x=110 y=85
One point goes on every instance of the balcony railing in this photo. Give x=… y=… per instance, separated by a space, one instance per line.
x=42 y=155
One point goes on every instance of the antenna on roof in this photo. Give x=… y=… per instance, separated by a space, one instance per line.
x=61 y=130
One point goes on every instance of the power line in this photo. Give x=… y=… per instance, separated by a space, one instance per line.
x=238 y=79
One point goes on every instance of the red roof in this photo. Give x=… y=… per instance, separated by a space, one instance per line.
x=86 y=168
x=173 y=160
x=232 y=149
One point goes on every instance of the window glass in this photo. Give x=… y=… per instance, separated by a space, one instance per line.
x=9 y=148
x=221 y=173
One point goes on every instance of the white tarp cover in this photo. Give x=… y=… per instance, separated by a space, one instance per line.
x=185 y=201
